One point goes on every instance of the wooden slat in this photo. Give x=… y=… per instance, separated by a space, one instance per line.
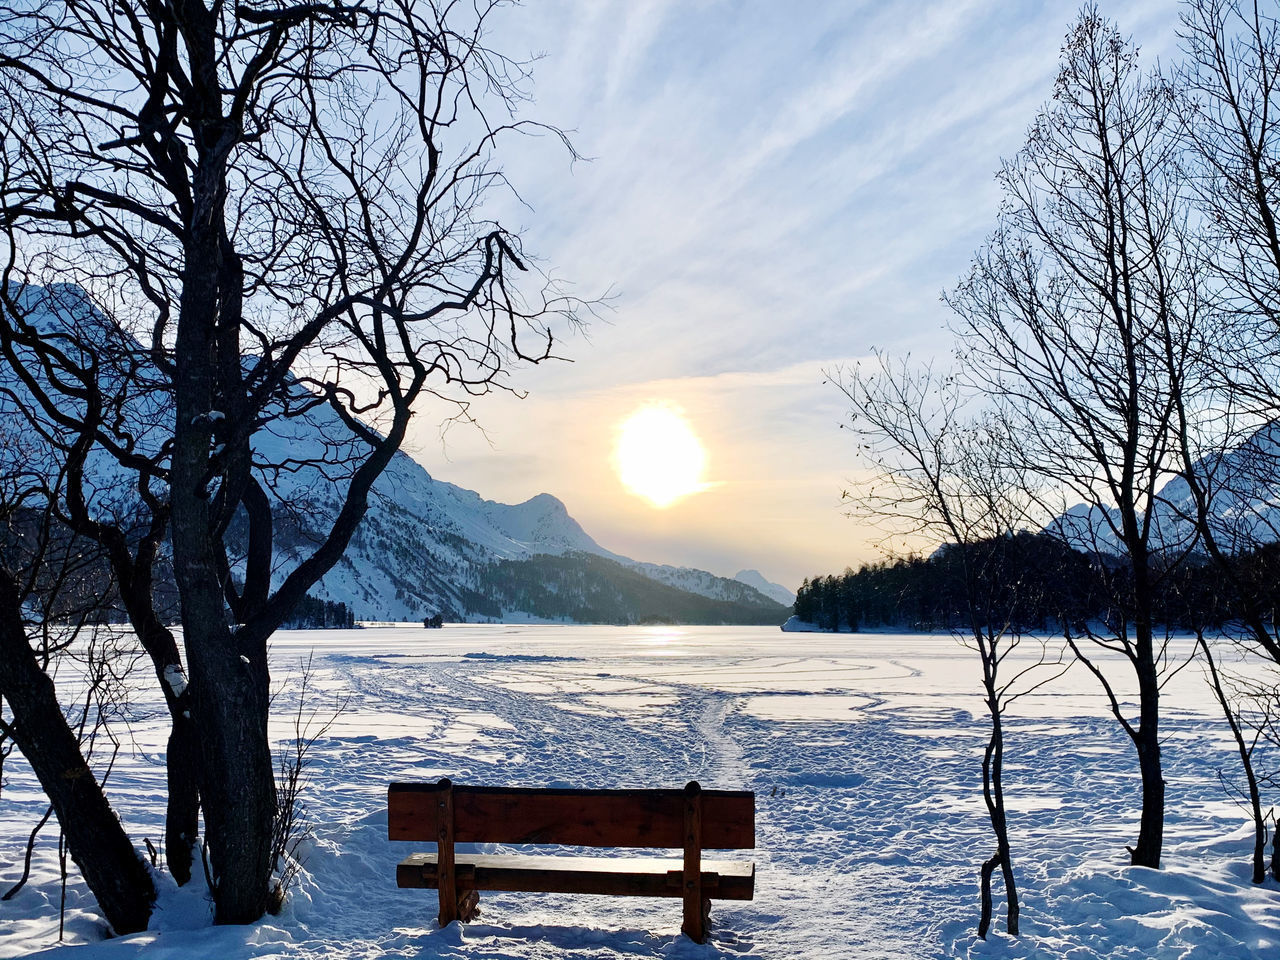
x=411 y=811
x=585 y=818
x=637 y=876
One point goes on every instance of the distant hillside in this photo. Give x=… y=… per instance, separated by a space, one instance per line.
x=700 y=582
x=774 y=591
x=591 y=589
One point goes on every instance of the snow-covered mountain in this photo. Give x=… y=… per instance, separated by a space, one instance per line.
x=775 y=591
x=1244 y=503
x=425 y=546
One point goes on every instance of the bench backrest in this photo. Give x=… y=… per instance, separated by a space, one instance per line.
x=583 y=818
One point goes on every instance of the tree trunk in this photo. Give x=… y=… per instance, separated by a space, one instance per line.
x=229 y=679
x=182 y=814
x=1246 y=762
x=1146 y=736
x=1147 y=741
x=1151 y=827
x=1012 y=908
x=993 y=794
x=984 y=922
x=99 y=846
x=231 y=700
x=229 y=689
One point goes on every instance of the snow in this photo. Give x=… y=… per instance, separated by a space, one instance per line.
x=794 y=624
x=176 y=680
x=863 y=751
x=705 y=584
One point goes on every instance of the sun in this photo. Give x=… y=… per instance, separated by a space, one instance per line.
x=658 y=456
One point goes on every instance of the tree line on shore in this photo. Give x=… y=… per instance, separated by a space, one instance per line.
x=1039 y=583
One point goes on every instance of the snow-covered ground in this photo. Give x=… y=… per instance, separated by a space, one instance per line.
x=863 y=752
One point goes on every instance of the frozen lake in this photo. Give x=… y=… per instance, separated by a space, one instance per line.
x=863 y=751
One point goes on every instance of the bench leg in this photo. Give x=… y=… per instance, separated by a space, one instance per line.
x=468 y=905
x=448 y=913
x=697 y=924
x=695 y=905
x=465 y=905
x=461 y=899
x=446 y=873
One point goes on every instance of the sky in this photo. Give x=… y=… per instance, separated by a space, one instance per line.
x=769 y=191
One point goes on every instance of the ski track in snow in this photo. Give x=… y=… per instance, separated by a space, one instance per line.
x=865 y=762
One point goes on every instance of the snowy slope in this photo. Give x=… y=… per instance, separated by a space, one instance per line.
x=423 y=544
x=775 y=591
x=419 y=547
x=1244 y=488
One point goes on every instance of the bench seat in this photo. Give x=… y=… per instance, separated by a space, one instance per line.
x=633 y=876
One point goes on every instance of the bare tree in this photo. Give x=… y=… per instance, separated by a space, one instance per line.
x=937 y=474
x=38 y=625
x=1069 y=318
x=310 y=722
x=1231 y=78
x=1231 y=85
x=72 y=394
x=282 y=208
x=1246 y=741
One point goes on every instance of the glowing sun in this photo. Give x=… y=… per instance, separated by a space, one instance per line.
x=658 y=456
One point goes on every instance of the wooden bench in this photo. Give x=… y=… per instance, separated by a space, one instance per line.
x=692 y=819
